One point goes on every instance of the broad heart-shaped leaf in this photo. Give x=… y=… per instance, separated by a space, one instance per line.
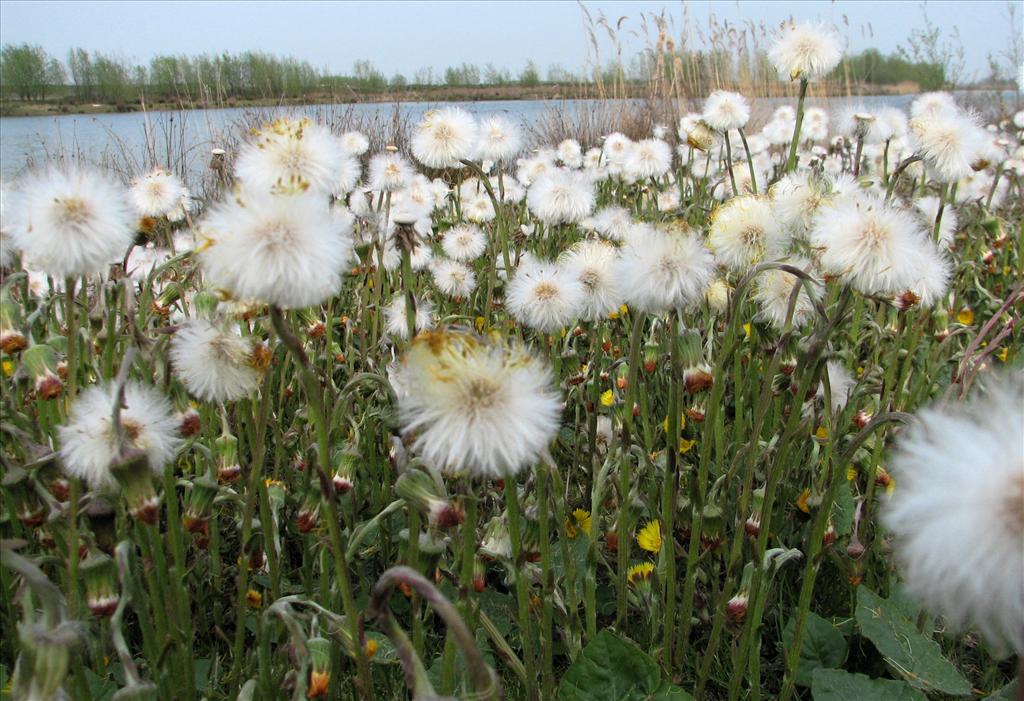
x=838 y=685
x=823 y=646
x=1007 y=693
x=612 y=669
x=914 y=657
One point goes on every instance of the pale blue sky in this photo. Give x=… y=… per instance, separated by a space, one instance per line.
x=405 y=36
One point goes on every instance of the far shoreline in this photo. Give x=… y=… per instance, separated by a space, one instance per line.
x=484 y=93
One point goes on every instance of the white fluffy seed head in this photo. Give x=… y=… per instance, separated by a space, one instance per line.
x=949 y=141
x=214 y=362
x=594 y=264
x=499 y=140
x=957 y=513
x=928 y=209
x=485 y=406
x=543 y=296
x=158 y=194
x=612 y=222
x=561 y=196
x=805 y=51
x=89 y=441
x=868 y=242
x=286 y=250
x=570 y=153
x=773 y=290
x=291 y=155
x=795 y=200
x=724 y=110
x=453 y=278
x=389 y=172
x=648 y=158
x=397 y=319
x=464 y=243
x=664 y=269
x=444 y=137
x=70 y=221
x=745 y=232
x=356 y=143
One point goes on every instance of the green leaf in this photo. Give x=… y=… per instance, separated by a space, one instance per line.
x=823 y=646
x=1007 y=693
x=613 y=669
x=837 y=685
x=913 y=656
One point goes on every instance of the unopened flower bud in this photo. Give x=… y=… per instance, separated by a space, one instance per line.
x=189 y=424
x=736 y=608
x=308 y=515
x=319 y=667
x=100 y=576
x=136 y=480
x=200 y=504
x=40 y=362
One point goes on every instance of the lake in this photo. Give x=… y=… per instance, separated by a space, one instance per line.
x=126 y=138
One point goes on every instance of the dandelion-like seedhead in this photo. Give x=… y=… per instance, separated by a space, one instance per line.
x=957 y=513
x=70 y=221
x=89 y=440
x=159 y=194
x=664 y=269
x=744 y=232
x=291 y=155
x=215 y=363
x=805 y=51
x=286 y=250
x=445 y=137
x=469 y=403
x=544 y=296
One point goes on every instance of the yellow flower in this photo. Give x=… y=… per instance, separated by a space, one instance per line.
x=801 y=501
x=607 y=398
x=685 y=446
x=613 y=314
x=623 y=310
x=582 y=517
x=649 y=537
x=1003 y=354
x=8 y=368
x=640 y=572
x=371 y=648
x=479 y=322
x=580 y=521
x=746 y=329
x=821 y=433
x=965 y=316
x=254 y=598
x=851 y=474
x=682 y=423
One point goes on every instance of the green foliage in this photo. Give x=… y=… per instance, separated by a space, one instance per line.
x=913 y=656
x=823 y=647
x=837 y=685
x=530 y=75
x=613 y=669
x=28 y=71
x=871 y=66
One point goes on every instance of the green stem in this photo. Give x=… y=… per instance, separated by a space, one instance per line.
x=314 y=397
x=670 y=490
x=625 y=469
x=522 y=586
x=795 y=143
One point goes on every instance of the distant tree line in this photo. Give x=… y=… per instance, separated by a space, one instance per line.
x=30 y=73
x=871 y=66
